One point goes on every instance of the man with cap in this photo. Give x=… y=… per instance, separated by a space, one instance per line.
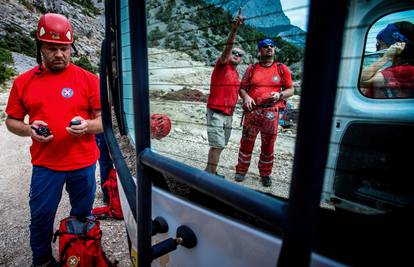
x=224 y=89
x=62 y=103
x=379 y=80
x=261 y=91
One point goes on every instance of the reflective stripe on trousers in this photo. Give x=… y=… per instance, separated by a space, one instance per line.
x=261 y=120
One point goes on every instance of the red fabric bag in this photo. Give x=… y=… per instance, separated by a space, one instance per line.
x=114 y=209
x=80 y=243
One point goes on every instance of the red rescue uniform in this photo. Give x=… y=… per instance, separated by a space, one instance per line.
x=260 y=82
x=56 y=98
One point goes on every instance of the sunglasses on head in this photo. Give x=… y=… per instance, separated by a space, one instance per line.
x=237 y=54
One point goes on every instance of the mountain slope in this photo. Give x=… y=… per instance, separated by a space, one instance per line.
x=267 y=16
x=19 y=22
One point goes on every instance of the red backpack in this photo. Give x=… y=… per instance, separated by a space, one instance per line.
x=80 y=243
x=113 y=210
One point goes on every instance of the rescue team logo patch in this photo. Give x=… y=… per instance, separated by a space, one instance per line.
x=270 y=115
x=275 y=78
x=67 y=92
x=73 y=261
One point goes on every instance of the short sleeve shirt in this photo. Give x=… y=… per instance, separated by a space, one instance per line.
x=224 y=88
x=265 y=80
x=56 y=98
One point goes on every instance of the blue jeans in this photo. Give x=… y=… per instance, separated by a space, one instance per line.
x=105 y=163
x=45 y=193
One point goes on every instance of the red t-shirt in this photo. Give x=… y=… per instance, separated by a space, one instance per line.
x=398 y=83
x=400 y=80
x=265 y=80
x=224 y=88
x=56 y=98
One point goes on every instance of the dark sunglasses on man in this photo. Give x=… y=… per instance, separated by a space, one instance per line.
x=237 y=54
x=267 y=46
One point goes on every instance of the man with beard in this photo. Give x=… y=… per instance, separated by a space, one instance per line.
x=62 y=103
x=261 y=90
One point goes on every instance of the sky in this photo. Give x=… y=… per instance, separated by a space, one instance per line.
x=296 y=12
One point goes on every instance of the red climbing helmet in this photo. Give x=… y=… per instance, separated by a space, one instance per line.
x=160 y=126
x=54 y=28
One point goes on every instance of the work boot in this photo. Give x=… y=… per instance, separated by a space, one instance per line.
x=239 y=177
x=266 y=181
x=221 y=176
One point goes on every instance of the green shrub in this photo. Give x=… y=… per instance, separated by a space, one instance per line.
x=164 y=14
x=5 y=56
x=89 y=7
x=84 y=63
x=5 y=72
x=15 y=40
x=288 y=53
x=173 y=26
x=27 y=4
x=154 y=37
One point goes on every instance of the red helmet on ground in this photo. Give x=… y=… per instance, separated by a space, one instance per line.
x=54 y=28
x=160 y=126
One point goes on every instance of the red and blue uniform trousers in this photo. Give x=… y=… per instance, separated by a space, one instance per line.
x=265 y=121
x=45 y=193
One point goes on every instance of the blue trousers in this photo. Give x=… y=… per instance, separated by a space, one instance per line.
x=105 y=163
x=45 y=193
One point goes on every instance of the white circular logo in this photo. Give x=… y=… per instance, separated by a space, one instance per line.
x=275 y=78
x=67 y=92
x=73 y=261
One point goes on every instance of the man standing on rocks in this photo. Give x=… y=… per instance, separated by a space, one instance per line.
x=224 y=90
x=63 y=107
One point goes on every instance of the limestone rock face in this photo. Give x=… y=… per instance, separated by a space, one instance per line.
x=18 y=19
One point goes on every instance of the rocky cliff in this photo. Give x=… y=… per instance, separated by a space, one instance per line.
x=20 y=17
x=267 y=16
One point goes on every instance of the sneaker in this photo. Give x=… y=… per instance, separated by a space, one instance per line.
x=221 y=176
x=266 y=181
x=239 y=177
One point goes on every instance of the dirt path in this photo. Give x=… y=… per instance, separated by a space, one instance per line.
x=15 y=172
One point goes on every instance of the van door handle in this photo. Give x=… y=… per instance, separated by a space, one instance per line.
x=184 y=237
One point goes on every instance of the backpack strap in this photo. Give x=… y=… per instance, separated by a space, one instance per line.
x=282 y=75
x=251 y=69
x=282 y=102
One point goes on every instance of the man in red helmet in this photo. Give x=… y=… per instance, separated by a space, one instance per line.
x=261 y=90
x=62 y=103
x=224 y=89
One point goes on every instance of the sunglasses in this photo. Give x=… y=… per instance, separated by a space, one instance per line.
x=237 y=54
x=267 y=46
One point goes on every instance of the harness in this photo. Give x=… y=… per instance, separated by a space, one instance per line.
x=279 y=104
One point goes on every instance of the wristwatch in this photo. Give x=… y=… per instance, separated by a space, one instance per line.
x=281 y=95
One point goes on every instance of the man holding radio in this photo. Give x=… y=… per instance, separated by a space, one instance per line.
x=62 y=103
x=264 y=87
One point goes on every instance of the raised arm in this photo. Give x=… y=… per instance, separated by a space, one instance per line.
x=370 y=76
x=225 y=55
